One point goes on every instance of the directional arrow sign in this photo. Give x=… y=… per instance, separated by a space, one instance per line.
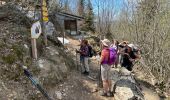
x=36 y=30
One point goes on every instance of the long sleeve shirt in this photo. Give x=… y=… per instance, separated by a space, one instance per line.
x=84 y=51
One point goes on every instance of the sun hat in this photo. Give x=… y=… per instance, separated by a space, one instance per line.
x=106 y=42
x=131 y=45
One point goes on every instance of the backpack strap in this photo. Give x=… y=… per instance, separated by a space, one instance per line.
x=109 y=56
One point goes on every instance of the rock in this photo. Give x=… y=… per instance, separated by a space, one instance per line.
x=123 y=93
x=126 y=88
x=26 y=46
x=40 y=63
x=49 y=28
x=115 y=76
x=124 y=71
x=59 y=95
x=64 y=94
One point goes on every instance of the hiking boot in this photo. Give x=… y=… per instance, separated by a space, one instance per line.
x=84 y=72
x=87 y=73
x=103 y=94
x=110 y=94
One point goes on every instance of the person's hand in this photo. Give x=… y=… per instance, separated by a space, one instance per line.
x=77 y=51
x=126 y=54
x=132 y=60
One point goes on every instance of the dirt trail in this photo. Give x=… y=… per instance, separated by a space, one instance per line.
x=80 y=87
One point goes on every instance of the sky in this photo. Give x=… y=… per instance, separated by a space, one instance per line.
x=118 y=4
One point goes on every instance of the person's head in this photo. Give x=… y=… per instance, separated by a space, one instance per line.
x=116 y=42
x=124 y=43
x=113 y=41
x=105 y=43
x=130 y=47
x=85 y=42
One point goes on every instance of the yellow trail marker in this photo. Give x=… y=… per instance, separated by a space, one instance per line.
x=45 y=14
x=45 y=19
x=44 y=9
x=44 y=3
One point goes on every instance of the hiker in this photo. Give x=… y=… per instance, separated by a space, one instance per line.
x=121 y=49
x=114 y=45
x=84 y=52
x=129 y=57
x=105 y=68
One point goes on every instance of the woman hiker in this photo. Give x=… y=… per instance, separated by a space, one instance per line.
x=84 y=52
x=105 y=68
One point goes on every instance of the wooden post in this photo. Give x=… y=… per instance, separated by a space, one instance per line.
x=42 y=23
x=63 y=38
x=34 y=48
x=76 y=27
x=63 y=30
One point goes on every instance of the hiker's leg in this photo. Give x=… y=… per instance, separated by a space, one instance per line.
x=104 y=75
x=105 y=86
x=109 y=85
x=86 y=62
x=109 y=77
x=82 y=65
x=117 y=61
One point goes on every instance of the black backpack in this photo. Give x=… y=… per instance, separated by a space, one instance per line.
x=91 y=53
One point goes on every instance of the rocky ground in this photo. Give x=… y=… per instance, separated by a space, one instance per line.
x=83 y=87
x=55 y=69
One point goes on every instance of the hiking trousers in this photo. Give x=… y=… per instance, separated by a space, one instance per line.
x=85 y=64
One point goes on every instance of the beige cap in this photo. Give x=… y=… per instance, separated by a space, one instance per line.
x=106 y=42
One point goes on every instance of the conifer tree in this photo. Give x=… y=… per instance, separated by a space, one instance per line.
x=89 y=18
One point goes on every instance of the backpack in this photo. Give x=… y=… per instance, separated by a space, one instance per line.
x=112 y=56
x=90 y=53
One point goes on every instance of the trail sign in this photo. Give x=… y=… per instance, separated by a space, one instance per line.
x=36 y=30
x=44 y=11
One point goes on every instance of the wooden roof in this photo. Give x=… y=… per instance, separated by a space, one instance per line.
x=70 y=15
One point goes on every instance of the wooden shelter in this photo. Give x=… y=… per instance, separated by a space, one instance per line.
x=69 y=23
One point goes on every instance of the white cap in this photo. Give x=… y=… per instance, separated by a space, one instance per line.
x=131 y=45
x=106 y=42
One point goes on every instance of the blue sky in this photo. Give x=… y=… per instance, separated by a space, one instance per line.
x=118 y=4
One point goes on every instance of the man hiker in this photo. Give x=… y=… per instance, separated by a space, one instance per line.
x=84 y=56
x=129 y=57
x=105 y=68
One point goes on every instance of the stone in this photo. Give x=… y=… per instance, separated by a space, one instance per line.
x=123 y=93
x=124 y=71
x=126 y=87
x=59 y=95
x=114 y=76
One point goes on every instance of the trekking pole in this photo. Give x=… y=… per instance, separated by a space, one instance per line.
x=35 y=83
x=76 y=61
x=99 y=74
x=100 y=78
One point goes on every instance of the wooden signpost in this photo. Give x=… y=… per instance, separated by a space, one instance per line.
x=36 y=31
x=38 y=28
x=45 y=19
